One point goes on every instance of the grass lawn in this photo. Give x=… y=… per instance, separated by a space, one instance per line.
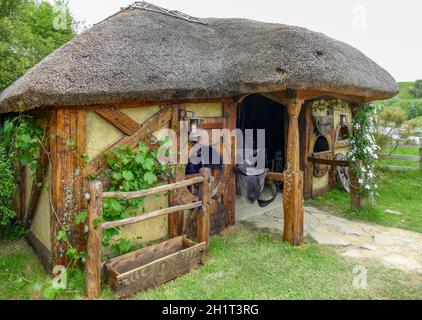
x=399 y=191
x=242 y=264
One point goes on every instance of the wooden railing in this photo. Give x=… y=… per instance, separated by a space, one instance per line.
x=403 y=157
x=95 y=212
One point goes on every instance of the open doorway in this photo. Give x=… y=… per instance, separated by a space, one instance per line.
x=259 y=112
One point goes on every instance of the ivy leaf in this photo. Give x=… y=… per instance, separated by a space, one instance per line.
x=115 y=205
x=72 y=253
x=8 y=127
x=139 y=158
x=117 y=176
x=25 y=138
x=148 y=164
x=25 y=158
x=81 y=218
x=143 y=148
x=119 y=154
x=127 y=175
x=121 y=246
x=150 y=177
x=62 y=235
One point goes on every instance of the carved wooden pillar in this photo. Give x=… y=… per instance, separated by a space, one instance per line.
x=293 y=179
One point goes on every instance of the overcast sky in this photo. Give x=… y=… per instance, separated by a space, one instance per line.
x=388 y=31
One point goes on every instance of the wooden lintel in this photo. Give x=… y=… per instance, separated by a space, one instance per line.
x=120 y=120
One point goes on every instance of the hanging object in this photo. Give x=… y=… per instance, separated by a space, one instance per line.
x=193 y=122
x=324 y=124
x=342 y=174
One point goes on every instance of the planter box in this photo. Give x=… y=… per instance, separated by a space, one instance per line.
x=146 y=268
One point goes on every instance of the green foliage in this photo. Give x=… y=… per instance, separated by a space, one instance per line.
x=363 y=149
x=416 y=89
x=130 y=170
x=29 y=31
x=19 y=143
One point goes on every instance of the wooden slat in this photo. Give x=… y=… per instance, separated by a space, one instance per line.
x=152 y=191
x=213 y=123
x=93 y=261
x=157 y=121
x=147 y=216
x=39 y=178
x=120 y=120
x=336 y=163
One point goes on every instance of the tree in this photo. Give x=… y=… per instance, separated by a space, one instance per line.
x=416 y=89
x=29 y=31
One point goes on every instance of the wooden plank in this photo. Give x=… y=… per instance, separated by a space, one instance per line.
x=93 y=258
x=39 y=177
x=203 y=231
x=158 y=271
x=335 y=163
x=157 y=121
x=152 y=191
x=120 y=120
x=399 y=157
x=67 y=142
x=213 y=123
x=150 y=215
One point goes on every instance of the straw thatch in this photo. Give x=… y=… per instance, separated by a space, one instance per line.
x=145 y=53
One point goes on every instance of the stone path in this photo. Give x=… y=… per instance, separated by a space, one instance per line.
x=395 y=248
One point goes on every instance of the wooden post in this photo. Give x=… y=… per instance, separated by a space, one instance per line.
x=420 y=156
x=66 y=146
x=229 y=196
x=203 y=231
x=293 y=202
x=176 y=219
x=93 y=259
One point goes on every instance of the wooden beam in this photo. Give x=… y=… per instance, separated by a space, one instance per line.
x=275 y=176
x=150 y=215
x=293 y=202
x=67 y=144
x=157 y=121
x=94 y=246
x=148 y=192
x=334 y=163
x=120 y=120
x=39 y=177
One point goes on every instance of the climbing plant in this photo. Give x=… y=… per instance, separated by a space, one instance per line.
x=363 y=150
x=130 y=170
x=20 y=140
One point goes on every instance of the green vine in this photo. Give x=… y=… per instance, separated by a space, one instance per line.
x=20 y=140
x=130 y=170
x=363 y=150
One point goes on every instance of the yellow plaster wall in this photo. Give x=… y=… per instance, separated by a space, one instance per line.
x=41 y=223
x=101 y=135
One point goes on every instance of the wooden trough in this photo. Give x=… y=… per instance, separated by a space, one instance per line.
x=151 y=266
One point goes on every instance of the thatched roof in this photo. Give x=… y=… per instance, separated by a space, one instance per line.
x=148 y=54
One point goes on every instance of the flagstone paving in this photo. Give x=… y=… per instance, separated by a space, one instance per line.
x=395 y=248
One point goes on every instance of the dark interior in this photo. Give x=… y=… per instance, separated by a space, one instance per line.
x=321 y=145
x=343 y=133
x=259 y=112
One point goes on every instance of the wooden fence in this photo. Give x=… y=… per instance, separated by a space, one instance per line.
x=403 y=157
x=94 y=265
